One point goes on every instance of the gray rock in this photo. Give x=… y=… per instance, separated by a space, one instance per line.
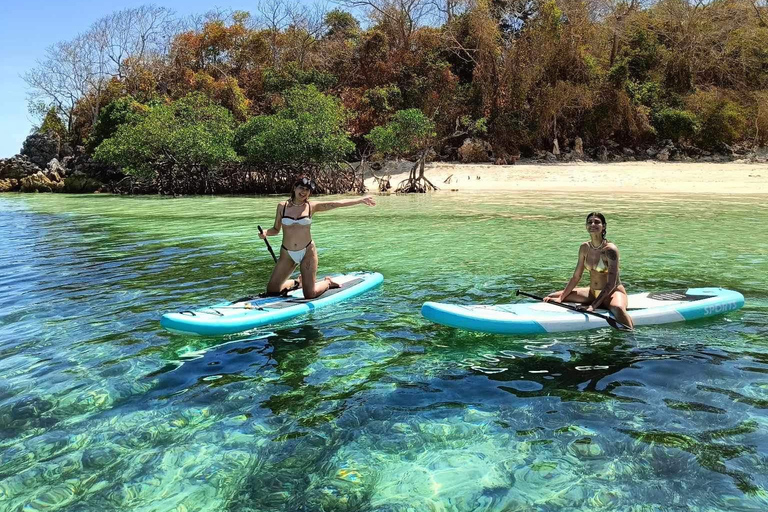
x=41 y=148
x=652 y=152
x=602 y=154
x=663 y=155
x=55 y=166
x=549 y=157
x=628 y=152
x=17 y=167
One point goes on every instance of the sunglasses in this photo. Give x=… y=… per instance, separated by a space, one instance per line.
x=307 y=183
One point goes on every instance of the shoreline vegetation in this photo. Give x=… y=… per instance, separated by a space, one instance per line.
x=229 y=101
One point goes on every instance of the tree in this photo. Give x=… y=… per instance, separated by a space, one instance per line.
x=409 y=133
x=308 y=129
x=401 y=17
x=172 y=142
x=52 y=124
x=77 y=72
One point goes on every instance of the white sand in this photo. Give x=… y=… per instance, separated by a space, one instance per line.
x=625 y=177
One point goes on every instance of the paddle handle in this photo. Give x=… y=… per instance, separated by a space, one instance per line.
x=611 y=321
x=269 y=247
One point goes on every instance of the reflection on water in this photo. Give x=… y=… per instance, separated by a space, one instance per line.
x=367 y=406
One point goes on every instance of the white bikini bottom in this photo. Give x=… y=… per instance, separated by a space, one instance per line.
x=297 y=256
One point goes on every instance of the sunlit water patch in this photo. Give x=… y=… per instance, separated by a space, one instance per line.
x=367 y=406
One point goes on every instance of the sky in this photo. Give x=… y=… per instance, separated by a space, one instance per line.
x=28 y=28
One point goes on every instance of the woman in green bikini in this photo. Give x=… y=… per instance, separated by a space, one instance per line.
x=298 y=248
x=601 y=258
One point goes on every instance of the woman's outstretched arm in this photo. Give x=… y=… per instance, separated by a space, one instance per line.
x=324 y=206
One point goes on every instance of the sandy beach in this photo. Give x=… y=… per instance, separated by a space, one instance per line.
x=625 y=177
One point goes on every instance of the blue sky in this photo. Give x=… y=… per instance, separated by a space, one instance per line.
x=27 y=28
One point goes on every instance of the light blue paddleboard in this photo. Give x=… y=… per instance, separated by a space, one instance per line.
x=228 y=317
x=540 y=317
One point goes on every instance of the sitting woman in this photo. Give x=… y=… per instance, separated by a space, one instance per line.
x=298 y=248
x=601 y=258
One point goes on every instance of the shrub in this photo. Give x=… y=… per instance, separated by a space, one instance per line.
x=675 y=124
x=722 y=121
x=309 y=129
x=192 y=132
x=408 y=132
x=125 y=110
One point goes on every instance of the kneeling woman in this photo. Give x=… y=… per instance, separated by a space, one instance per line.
x=601 y=258
x=295 y=215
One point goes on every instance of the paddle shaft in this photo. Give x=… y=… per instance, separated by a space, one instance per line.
x=269 y=247
x=611 y=321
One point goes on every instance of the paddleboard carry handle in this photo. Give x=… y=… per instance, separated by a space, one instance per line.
x=269 y=247
x=611 y=321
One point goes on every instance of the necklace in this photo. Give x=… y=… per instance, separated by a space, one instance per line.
x=596 y=247
x=296 y=204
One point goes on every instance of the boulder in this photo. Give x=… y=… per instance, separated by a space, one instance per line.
x=549 y=157
x=475 y=151
x=578 y=147
x=556 y=148
x=78 y=182
x=9 y=185
x=41 y=148
x=602 y=154
x=663 y=155
x=39 y=182
x=17 y=167
x=55 y=166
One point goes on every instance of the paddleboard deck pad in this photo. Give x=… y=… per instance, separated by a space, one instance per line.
x=251 y=312
x=541 y=317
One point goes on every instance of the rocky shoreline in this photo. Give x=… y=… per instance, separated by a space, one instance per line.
x=45 y=165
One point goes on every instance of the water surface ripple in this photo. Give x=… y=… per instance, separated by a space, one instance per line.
x=368 y=407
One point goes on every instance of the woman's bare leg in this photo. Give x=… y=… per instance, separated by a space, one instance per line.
x=308 y=267
x=579 y=295
x=283 y=268
x=618 y=307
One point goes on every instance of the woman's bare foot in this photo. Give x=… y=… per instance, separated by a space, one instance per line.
x=331 y=283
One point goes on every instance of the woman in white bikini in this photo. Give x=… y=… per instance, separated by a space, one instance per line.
x=601 y=258
x=295 y=215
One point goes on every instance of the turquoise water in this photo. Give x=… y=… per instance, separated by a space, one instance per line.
x=367 y=406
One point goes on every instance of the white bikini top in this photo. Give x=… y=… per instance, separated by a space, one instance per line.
x=304 y=220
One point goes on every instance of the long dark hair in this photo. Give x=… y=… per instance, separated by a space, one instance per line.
x=602 y=218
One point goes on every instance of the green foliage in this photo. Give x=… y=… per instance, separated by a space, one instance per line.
x=309 y=129
x=192 y=132
x=341 y=23
x=52 y=124
x=641 y=53
x=409 y=131
x=722 y=122
x=278 y=81
x=619 y=73
x=125 y=110
x=675 y=124
x=383 y=99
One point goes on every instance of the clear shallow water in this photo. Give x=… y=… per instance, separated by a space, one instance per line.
x=366 y=406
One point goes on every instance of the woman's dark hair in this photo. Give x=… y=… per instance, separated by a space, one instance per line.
x=601 y=217
x=304 y=181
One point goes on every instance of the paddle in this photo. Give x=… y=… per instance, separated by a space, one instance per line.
x=269 y=247
x=612 y=322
